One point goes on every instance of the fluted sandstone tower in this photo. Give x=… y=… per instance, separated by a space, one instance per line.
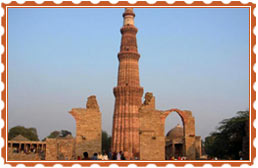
x=128 y=93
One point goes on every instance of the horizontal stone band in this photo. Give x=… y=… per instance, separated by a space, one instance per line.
x=124 y=90
x=129 y=29
x=128 y=55
x=126 y=115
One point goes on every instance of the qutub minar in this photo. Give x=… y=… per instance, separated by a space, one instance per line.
x=128 y=93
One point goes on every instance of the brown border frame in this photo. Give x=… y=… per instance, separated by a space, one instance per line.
x=252 y=93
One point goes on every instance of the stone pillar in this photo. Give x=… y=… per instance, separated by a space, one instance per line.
x=26 y=147
x=189 y=133
x=37 y=148
x=12 y=147
x=173 y=148
x=19 y=147
x=40 y=147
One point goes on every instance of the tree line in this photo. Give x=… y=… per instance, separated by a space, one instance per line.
x=227 y=142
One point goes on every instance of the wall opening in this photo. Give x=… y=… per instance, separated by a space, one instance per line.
x=174 y=136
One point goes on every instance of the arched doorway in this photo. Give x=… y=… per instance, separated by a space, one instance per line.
x=188 y=130
x=174 y=136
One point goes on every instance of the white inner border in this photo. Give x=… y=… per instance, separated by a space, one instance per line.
x=250 y=70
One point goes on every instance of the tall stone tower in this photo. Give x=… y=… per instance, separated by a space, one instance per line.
x=128 y=93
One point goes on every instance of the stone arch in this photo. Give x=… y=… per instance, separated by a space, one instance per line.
x=188 y=127
x=152 y=130
x=179 y=112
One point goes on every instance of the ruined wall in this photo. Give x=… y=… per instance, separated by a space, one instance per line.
x=51 y=149
x=60 y=148
x=189 y=131
x=152 y=139
x=198 y=147
x=88 y=128
x=23 y=156
x=189 y=135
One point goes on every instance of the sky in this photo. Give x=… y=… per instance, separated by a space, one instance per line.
x=193 y=59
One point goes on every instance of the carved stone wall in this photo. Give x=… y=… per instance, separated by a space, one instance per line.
x=88 y=128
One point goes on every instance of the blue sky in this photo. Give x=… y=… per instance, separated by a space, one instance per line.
x=193 y=59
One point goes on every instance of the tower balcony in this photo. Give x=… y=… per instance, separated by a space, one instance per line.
x=129 y=29
x=128 y=55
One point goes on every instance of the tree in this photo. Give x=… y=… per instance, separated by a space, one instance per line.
x=56 y=134
x=29 y=133
x=226 y=142
x=64 y=133
x=106 y=141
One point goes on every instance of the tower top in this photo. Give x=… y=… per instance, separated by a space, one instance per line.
x=128 y=10
x=128 y=17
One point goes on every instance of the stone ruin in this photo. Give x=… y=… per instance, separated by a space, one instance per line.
x=88 y=134
x=152 y=139
x=151 y=130
x=61 y=148
x=88 y=128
